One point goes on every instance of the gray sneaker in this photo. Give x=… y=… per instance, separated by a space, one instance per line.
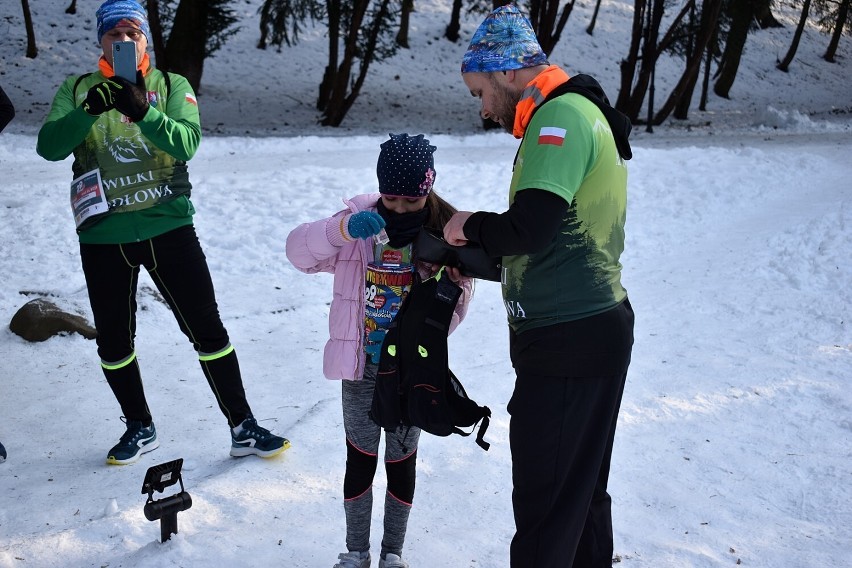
x=256 y=440
x=353 y=559
x=135 y=441
x=392 y=561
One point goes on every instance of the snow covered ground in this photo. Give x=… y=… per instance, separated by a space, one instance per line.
x=734 y=436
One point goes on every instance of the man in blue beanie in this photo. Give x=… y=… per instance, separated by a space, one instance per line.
x=128 y=13
x=570 y=322
x=131 y=142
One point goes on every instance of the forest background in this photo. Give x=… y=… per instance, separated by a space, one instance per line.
x=318 y=62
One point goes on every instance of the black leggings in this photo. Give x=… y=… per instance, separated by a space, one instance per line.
x=178 y=267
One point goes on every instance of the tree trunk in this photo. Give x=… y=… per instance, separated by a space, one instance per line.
x=185 y=49
x=32 y=50
x=648 y=63
x=364 y=64
x=543 y=18
x=646 y=30
x=708 y=62
x=742 y=13
x=591 y=28
x=452 y=31
x=405 y=14
x=337 y=95
x=157 y=41
x=329 y=78
x=341 y=98
x=628 y=65
x=784 y=64
x=765 y=18
x=842 y=14
x=681 y=109
x=710 y=15
x=265 y=18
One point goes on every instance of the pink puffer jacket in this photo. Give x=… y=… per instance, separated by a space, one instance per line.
x=310 y=249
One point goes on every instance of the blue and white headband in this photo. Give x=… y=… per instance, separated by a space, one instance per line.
x=114 y=13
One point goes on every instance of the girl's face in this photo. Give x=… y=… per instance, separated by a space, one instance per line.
x=404 y=204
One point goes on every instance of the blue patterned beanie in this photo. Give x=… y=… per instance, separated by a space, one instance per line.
x=114 y=13
x=406 y=167
x=504 y=41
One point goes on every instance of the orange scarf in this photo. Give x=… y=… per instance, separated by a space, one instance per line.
x=107 y=71
x=534 y=94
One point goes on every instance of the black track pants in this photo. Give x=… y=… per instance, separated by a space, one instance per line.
x=178 y=267
x=561 y=436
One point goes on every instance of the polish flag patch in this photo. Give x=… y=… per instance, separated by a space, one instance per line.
x=551 y=135
x=190 y=99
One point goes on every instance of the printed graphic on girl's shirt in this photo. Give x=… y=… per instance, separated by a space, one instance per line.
x=387 y=282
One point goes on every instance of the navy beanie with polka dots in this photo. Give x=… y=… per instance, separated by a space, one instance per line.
x=406 y=167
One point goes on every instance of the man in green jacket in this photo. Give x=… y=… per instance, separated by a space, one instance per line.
x=131 y=203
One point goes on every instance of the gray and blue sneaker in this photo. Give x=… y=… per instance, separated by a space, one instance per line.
x=136 y=441
x=353 y=559
x=250 y=439
x=2 y=453
x=392 y=561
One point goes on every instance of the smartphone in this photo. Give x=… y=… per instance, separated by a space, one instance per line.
x=124 y=60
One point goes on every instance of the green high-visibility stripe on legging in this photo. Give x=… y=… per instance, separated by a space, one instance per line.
x=218 y=355
x=119 y=364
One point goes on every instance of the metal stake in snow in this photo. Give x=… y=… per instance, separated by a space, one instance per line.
x=157 y=479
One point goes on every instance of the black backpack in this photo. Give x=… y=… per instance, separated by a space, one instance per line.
x=414 y=385
x=470 y=259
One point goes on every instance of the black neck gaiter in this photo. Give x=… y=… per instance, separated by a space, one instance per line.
x=402 y=227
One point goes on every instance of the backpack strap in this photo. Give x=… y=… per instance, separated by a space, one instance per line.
x=484 y=419
x=168 y=80
x=480 y=437
x=77 y=84
x=587 y=86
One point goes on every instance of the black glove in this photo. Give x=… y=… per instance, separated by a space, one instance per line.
x=99 y=99
x=131 y=100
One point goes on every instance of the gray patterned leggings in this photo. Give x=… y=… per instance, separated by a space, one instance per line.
x=362 y=448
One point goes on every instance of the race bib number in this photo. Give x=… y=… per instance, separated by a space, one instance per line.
x=87 y=197
x=384 y=290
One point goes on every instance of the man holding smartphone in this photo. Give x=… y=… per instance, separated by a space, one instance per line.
x=131 y=141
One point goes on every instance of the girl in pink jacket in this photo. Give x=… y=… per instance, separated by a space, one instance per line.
x=369 y=248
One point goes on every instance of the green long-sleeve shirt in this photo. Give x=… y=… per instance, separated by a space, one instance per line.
x=142 y=165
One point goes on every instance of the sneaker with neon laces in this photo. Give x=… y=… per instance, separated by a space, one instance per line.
x=392 y=561
x=251 y=439
x=353 y=559
x=137 y=440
